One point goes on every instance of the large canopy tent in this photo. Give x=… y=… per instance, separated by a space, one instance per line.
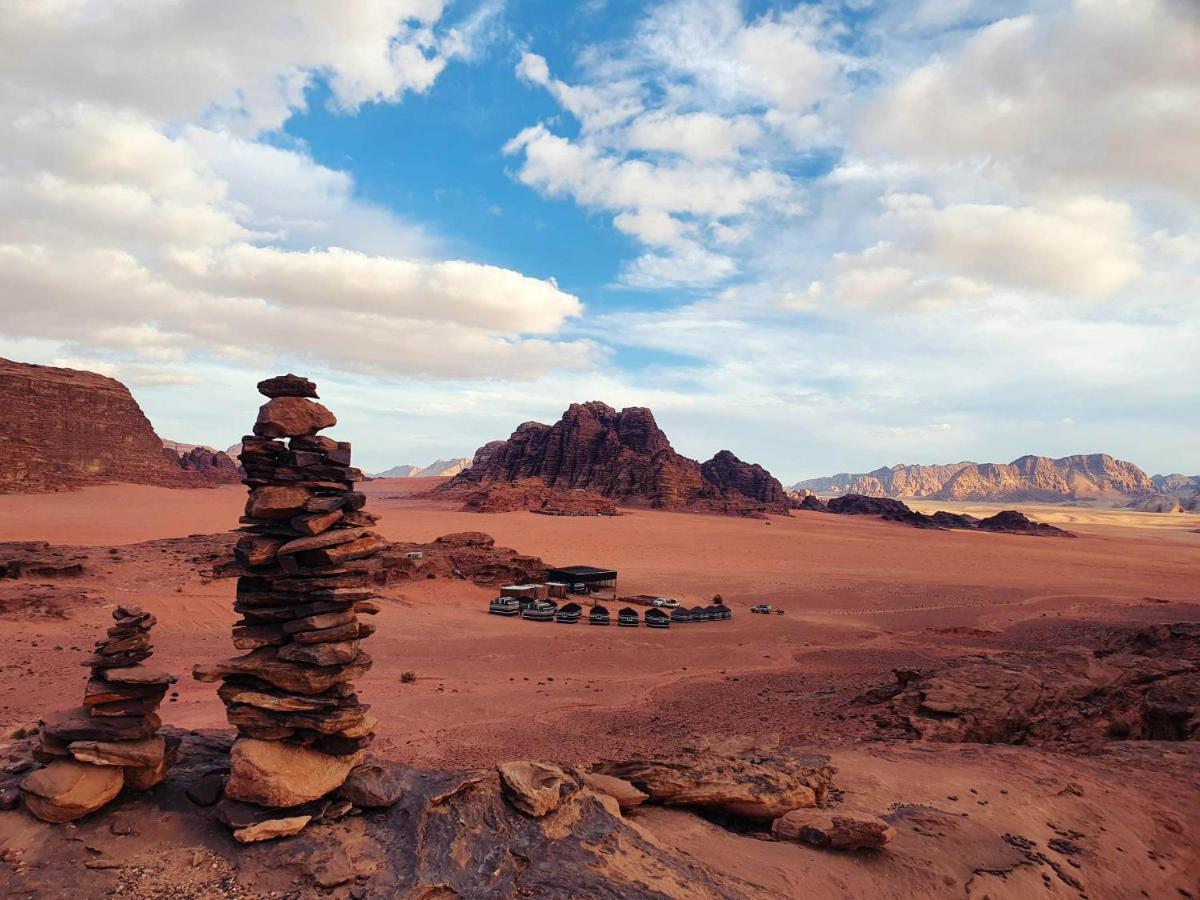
x=585 y=579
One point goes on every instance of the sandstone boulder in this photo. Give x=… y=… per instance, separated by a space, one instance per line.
x=835 y=829
x=292 y=417
x=627 y=796
x=535 y=788
x=287 y=386
x=275 y=774
x=147 y=752
x=67 y=790
x=271 y=828
x=743 y=778
x=276 y=502
x=373 y=785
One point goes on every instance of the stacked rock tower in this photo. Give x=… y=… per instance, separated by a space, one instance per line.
x=113 y=741
x=306 y=564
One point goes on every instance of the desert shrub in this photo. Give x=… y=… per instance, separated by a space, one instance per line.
x=408 y=677
x=717 y=598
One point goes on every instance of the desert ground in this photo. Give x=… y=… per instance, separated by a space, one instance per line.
x=862 y=597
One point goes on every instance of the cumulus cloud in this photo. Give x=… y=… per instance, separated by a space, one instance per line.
x=680 y=130
x=147 y=220
x=1101 y=93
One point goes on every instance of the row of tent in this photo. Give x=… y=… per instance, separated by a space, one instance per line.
x=570 y=613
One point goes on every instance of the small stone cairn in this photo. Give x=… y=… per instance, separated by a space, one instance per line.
x=307 y=560
x=112 y=742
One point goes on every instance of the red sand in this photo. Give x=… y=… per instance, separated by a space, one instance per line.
x=861 y=596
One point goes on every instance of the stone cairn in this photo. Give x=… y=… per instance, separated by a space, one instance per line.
x=306 y=561
x=112 y=742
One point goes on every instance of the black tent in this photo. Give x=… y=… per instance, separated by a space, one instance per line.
x=723 y=611
x=628 y=617
x=598 y=616
x=656 y=618
x=681 y=615
x=569 y=613
x=698 y=614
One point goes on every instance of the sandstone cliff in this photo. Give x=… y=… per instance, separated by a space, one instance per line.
x=1095 y=476
x=625 y=457
x=62 y=428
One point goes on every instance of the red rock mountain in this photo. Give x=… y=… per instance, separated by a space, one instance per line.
x=63 y=428
x=1029 y=478
x=625 y=457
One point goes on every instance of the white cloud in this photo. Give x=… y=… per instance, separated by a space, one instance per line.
x=146 y=221
x=1103 y=94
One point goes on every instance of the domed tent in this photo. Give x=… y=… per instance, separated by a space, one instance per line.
x=698 y=614
x=723 y=611
x=628 y=617
x=599 y=616
x=541 y=611
x=681 y=615
x=505 y=606
x=656 y=618
x=569 y=614
x=712 y=613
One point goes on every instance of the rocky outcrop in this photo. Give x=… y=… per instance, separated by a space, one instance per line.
x=1008 y=521
x=471 y=555
x=744 y=778
x=536 y=496
x=1095 y=476
x=1144 y=685
x=837 y=829
x=623 y=456
x=62 y=429
x=214 y=466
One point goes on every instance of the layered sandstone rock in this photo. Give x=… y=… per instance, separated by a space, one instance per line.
x=1008 y=521
x=306 y=562
x=1029 y=478
x=62 y=429
x=113 y=741
x=623 y=456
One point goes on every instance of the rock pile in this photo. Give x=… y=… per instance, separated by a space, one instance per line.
x=113 y=741
x=306 y=562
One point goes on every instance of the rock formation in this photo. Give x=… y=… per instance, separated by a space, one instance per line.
x=214 y=466
x=1029 y=478
x=1008 y=521
x=307 y=560
x=625 y=457
x=62 y=429
x=1145 y=685
x=536 y=496
x=113 y=741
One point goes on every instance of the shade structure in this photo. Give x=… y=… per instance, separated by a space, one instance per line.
x=599 y=616
x=628 y=617
x=656 y=618
x=584 y=579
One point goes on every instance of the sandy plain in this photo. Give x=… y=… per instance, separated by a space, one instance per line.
x=861 y=597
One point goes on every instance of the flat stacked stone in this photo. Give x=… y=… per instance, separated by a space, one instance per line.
x=112 y=741
x=307 y=559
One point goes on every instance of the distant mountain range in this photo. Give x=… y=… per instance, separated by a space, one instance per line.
x=439 y=468
x=1094 y=476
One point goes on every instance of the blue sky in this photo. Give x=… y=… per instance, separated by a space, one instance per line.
x=827 y=236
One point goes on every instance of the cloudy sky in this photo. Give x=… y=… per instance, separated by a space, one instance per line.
x=825 y=235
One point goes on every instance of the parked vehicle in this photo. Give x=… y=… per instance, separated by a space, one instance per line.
x=764 y=608
x=656 y=618
x=628 y=618
x=598 y=616
x=505 y=606
x=666 y=603
x=540 y=611
x=569 y=614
